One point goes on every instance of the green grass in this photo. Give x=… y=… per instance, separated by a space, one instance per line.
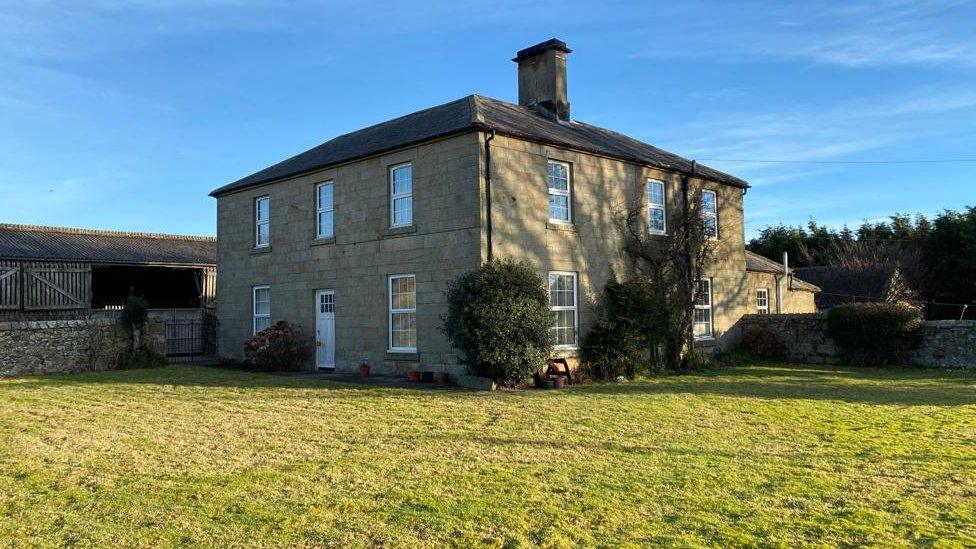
x=757 y=456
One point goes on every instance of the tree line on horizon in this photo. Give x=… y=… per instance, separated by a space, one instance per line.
x=936 y=256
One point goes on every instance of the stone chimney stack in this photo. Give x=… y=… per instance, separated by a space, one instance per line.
x=542 y=78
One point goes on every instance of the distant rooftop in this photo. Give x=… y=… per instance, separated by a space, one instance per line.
x=42 y=243
x=758 y=263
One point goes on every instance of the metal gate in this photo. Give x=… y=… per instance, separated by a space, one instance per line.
x=189 y=340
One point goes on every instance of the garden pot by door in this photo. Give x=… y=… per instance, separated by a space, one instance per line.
x=325 y=329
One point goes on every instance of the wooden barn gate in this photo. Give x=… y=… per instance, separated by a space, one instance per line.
x=32 y=286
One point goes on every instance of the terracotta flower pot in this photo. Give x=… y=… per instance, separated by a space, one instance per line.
x=414 y=376
x=559 y=382
x=364 y=370
x=441 y=378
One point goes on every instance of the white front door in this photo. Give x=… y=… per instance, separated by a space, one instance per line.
x=325 y=329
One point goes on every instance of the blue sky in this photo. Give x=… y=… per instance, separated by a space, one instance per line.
x=126 y=114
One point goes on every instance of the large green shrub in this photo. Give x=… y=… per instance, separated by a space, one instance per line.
x=498 y=317
x=875 y=334
x=633 y=323
x=611 y=349
x=277 y=348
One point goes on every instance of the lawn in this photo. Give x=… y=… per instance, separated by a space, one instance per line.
x=756 y=456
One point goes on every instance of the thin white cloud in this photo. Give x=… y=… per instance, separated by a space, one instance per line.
x=854 y=34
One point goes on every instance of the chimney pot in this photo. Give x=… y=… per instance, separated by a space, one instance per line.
x=542 y=78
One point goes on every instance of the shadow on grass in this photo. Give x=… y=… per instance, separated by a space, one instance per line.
x=908 y=387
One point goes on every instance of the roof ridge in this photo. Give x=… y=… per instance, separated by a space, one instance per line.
x=104 y=232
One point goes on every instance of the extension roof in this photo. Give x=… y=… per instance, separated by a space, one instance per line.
x=39 y=243
x=477 y=113
x=758 y=263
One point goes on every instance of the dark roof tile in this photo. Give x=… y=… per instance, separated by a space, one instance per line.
x=31 y=242
x=468 y=114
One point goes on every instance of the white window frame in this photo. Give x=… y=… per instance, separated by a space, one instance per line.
x=254 y=307
x=574 y=307
x=319 y=209
x=258 y=222
x=395 y=196
x=762 y=301
x=568 y=193
x=391 y=311
x=710 y=215
x=710 y=308
x=651 y=207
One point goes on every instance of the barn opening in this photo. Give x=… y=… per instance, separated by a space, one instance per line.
x=162 y=287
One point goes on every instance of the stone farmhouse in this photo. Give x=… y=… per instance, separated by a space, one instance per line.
x=357 y=239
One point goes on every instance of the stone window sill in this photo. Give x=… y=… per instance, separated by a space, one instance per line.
x=557 y=226
x=405 y=357
x=262 y=250
x=323 y=241
x=397 y=231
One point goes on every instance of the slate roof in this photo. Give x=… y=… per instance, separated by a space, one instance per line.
x=473 y=113
x=758 y=263
x=32 y=242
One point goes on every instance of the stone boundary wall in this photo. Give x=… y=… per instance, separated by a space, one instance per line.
x=945 y=343
x=55 y=346
x=948 y=344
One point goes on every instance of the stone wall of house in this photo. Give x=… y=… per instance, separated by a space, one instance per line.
x=591 y=245
x=55 y=346
x=443 y=242
x=945 y=343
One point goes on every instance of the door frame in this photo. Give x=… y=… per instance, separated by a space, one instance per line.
x=318 y=316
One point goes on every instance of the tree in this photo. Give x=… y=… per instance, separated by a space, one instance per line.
x=950 y=252
x=673 y=264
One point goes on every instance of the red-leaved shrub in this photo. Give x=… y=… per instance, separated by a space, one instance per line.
x=277 y=348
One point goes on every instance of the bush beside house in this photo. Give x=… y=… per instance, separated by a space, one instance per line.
x=499 y=319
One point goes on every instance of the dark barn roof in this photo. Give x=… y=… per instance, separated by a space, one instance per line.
x=758 y=263
x=31 y=242
x=473 y=113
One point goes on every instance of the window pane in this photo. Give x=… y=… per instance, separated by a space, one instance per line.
x=325 y=223
x=558 y=177
x=561 y=291
x=559 y=207
x=326 y=303
x=325 y=196
x=655 y=193
x=262 y=209
x=263 y=233
x=711 y=227
x=703 y=297
x=657 y=219
x=404 y=330
x=708 y=202
x=403 y=211
x=403 y=293
x=403 y=180
x=261 y=323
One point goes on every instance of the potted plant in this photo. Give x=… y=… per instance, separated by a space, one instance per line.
x=559 y=381
x=364 y=370
x=414 y=376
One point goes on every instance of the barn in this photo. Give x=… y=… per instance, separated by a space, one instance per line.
x=49 y=273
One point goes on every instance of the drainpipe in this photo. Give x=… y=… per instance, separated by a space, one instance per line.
x=779 y=282
x=488 y=229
